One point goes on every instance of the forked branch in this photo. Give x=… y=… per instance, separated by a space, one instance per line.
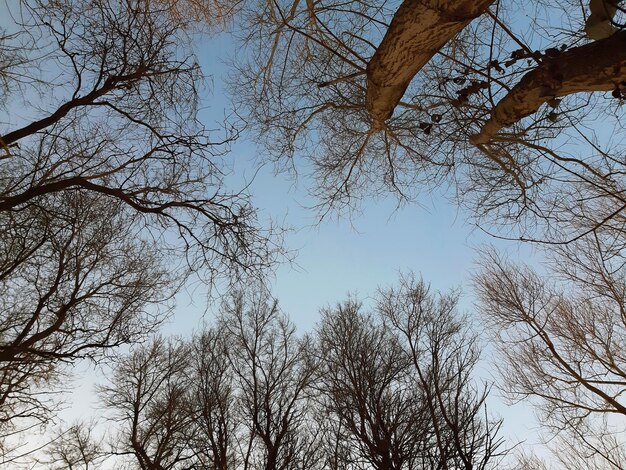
x=597 y=66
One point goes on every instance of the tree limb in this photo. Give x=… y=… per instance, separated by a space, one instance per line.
x=417 y=31
x=597 y=66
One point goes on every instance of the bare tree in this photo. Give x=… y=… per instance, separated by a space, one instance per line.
x=520 y=110
x=511 y=110
x=397 y=384
x=274 y=370
x=126 y=130
x=74 y=447
x=174 y=404
x=377 y=416
x=148 y=397
x=213 y=402
x=586 y=447
x=388 y=391
x=235 y=396
x=111 y=191
x=73 y=286
x=561 y=343
x=444 y=352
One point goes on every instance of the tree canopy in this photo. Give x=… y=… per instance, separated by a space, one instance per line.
x=111 y=190
x=517 y=108
x=113 y=199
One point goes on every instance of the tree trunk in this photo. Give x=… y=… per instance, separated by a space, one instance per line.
x=597 y=66
x=418 y=30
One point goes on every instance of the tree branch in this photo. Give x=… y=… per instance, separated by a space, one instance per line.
x=597 y=66
x=419 y=29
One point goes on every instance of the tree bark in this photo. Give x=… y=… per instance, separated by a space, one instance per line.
x=597 y=66
x=417 y=31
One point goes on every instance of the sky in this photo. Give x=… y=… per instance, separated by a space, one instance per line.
x=339 y=256
x=344 y=255
x=352 y=255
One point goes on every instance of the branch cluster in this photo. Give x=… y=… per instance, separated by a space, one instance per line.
x=388 y=390
x=111 y=190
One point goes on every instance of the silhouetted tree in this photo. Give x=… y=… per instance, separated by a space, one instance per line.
x=236 y=396
x=111 y=191
x=212 y=402
x=149 y=399
x=274 y=370
x=397 y=385
x=444 y=352
x=73 y=448
x=561 y=339
x=376 y=415
x=364 y=392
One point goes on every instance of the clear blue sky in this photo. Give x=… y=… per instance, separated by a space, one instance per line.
x=338 y=256
x=342 y=256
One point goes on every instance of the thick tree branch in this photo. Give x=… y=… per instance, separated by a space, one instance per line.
x=597 y=66
x=110 y=84
x=418 y=30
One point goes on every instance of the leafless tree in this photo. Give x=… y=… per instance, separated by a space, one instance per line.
x=511 y=109
x=364 y=392
x=111 y=191
x=147 y=404
x=73 y=285
x=74 y=447
x=274 y=370
x=235 y=396
x=377 y=416
x=561 y=341
x=125 y=128
x=398 y=388
x=579 y=449
x=212 y=402
x=174 y=405
x=519 y=108
x=444 y=352
x=148 y=397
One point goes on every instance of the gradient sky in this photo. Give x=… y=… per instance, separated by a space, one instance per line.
x=338 y=256
x=342 y=256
